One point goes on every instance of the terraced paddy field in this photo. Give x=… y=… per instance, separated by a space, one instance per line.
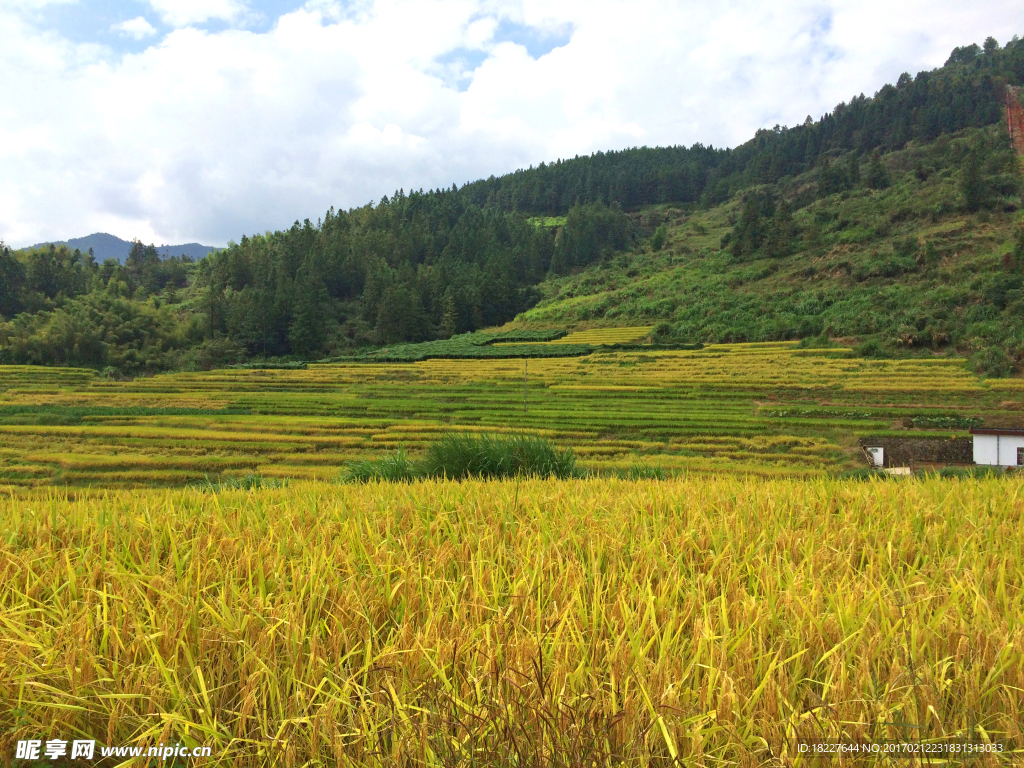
x=769 y=409
x=700 y=621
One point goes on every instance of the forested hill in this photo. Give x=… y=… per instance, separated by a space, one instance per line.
x=967 y=92
x=422 y=265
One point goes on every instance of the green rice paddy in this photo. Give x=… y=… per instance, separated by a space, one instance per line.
x=769 y=409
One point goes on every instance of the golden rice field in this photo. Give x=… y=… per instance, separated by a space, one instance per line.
x=702 y=621
x=626 y=335
x=770 y=409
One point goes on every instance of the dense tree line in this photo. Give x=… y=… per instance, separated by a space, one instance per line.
x=414 y=267
x=65 y=309
x=424 y=265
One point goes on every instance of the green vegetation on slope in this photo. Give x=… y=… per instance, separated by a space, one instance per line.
x=900 y=264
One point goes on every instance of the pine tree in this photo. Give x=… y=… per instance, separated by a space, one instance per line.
x=12 y=280
x=306 y=333
x=142 y=266
x=449 y=324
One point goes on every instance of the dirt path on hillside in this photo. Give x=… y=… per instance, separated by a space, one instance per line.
x=1015 y=118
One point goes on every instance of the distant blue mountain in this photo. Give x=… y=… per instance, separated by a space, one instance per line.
x=106 y=246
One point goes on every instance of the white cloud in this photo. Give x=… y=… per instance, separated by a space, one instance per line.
x=206 y=136
x=182 y=13
x=137 y=28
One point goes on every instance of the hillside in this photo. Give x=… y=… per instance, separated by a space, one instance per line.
x=889 y=223
x=903 y=266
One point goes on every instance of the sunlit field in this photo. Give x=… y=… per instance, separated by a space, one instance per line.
x=717 y=617
x=697 y=621
x=769 y=409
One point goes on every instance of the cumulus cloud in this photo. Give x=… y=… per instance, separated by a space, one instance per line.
x=206 y=136
x=181 y=13
x=137 y=28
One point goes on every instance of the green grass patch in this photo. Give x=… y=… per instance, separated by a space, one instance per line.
x=461 y=456
x=251 y=482
x=69 y=415
x=524 y=335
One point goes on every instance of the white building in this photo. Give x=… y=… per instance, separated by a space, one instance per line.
x=998 y=447
x=876 y=454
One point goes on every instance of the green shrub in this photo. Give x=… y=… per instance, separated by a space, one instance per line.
x=460 y=456
x=871 y=348
x=993 y=362
x=659 y=237
x=663 y=333
x=395 y=469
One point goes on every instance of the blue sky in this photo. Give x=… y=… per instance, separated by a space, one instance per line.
x=94 y=21
x=182 y=120
x=121 y=26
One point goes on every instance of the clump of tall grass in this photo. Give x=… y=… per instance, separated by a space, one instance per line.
x=458 y=457
x=396 y=469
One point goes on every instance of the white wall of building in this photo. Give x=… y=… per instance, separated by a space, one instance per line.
x=997 y=450
x=877 y=455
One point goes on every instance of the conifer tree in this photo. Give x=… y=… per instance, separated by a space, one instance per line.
x=12 y=279
x=449 y=324
x=306 y=333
